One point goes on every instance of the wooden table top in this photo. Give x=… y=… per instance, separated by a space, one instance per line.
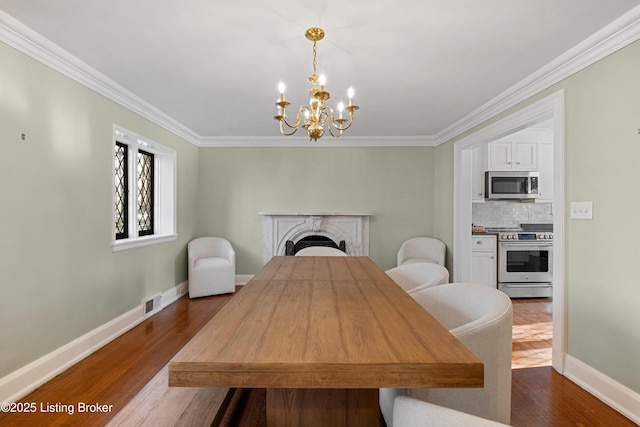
x=324 y=322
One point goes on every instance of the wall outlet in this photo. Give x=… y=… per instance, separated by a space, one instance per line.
x=182 y=289
x=582 y=210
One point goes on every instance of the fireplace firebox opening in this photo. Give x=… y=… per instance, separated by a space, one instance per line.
x=292 y=248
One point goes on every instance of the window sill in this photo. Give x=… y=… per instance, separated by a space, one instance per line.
x=124 y=244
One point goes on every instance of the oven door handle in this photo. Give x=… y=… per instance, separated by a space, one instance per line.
x=527 y=244
x=527 y=284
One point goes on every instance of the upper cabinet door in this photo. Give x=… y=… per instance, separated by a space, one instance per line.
x=525 y=155
x=477 y=174
x=500 y=155
x=508 y=155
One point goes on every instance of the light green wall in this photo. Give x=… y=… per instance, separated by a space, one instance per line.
x=395 y=184
x=443 y=206
x=58 y=276
x=602 y=149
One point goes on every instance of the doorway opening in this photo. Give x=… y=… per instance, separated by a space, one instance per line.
x=549 y=108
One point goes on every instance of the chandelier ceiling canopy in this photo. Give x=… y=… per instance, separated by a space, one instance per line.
x=315 y=116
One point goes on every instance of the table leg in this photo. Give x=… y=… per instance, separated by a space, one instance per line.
x=322 y=407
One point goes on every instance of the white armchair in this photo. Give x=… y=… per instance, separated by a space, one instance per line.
x=420 y=275
x=409 y=412
x=212 y=267
x=482 y=319
x=422 y=249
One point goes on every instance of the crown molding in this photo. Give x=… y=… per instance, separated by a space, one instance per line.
x=348 y=141
x=618 y=34
x=19 y=36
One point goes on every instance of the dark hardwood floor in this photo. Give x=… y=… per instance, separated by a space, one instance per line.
x=117 y=372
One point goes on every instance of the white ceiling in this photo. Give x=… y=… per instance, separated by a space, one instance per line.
x=418 y=66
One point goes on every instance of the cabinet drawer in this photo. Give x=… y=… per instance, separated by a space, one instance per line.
x=483 y=243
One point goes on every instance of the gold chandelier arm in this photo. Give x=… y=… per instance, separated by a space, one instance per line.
x=295 y=126
x=284 y=119
x=343 y=128
x=337 y=124
x=334 y=135
x=282 y=131
x=328 y=117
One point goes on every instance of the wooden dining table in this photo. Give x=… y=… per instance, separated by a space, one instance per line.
x=322 y=335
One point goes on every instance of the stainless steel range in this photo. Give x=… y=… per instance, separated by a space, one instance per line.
x=525 y=263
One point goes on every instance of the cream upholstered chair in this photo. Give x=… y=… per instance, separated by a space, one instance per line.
x=410 y=412
x=212 y=267
x=320 y=251
x=481 y=317
x=419 y=275
x=422 y=249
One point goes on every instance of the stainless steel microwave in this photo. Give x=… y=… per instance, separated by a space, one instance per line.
x=511 y=184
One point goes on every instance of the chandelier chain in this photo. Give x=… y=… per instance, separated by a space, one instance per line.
x=315 y=62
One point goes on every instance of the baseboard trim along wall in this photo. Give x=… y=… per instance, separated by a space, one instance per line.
x=26 y=379
x=243 y=279
x=611 y=392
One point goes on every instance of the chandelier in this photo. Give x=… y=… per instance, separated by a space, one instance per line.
x=316 y=115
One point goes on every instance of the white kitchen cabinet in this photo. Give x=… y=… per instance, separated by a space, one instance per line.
x=484 y=260
x=477 y=173
x=513 y=155
x=545 y=167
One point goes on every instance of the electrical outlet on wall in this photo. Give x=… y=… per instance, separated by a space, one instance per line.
x=182 y=289
x=582 y=210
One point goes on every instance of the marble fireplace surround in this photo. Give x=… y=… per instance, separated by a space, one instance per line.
x=278 y=227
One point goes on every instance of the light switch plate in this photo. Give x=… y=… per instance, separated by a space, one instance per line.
x=582 y=210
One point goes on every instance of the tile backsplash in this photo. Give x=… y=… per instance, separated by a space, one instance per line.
x=498 y=213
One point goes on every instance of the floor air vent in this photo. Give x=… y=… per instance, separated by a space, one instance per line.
x=152 y=305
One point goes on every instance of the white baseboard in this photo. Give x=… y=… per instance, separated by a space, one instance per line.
x=173 y=294
x=242 y=279
x=21 y=382
x=611 y=392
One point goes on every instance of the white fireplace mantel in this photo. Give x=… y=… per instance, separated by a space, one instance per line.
x=279 y=227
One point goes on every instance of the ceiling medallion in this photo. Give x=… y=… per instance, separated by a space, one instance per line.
x=316 y=115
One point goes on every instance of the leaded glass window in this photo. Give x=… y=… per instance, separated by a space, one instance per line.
x=145 y=193
x=121 y=191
